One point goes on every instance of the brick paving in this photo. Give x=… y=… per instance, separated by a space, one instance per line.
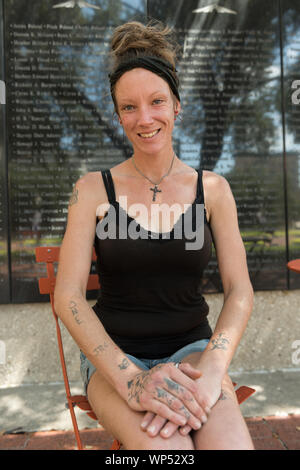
x=268 y=433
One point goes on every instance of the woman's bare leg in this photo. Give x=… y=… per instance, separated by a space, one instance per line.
x=225 y=427
x=124 y=423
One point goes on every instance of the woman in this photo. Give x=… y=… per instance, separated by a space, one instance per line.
x=155 y=373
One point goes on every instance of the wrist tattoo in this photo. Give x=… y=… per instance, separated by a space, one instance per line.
x=219 y=343
x=124 y=364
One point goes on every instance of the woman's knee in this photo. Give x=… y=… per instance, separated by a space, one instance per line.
x=145 y=442
x=228 y=388
x=124 y=424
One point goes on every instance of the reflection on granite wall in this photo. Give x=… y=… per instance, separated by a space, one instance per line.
x=239 y=69
x=291 y=57
x=4 y=229
x=231 y=75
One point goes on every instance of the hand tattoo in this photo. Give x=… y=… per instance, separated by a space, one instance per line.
x=137 y=385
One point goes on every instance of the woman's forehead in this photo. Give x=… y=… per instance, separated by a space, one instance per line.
x=140 y=81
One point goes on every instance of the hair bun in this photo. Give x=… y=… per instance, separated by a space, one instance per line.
x=134 y=38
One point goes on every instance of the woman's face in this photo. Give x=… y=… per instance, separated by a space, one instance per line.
x=146 y=109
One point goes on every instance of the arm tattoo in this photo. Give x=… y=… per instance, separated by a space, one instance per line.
x=74 y=197
x=75 y=312
x=124 y=364
x=100 y=349
x=220 y=343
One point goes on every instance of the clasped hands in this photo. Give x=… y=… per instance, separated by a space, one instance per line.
x=173 y=397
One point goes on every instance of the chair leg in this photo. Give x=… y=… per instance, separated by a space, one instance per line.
x=116 y=445
x=75 y=425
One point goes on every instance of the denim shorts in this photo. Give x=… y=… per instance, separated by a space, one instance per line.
x=87 y=368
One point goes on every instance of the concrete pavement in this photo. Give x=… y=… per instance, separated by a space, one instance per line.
x=35 y=416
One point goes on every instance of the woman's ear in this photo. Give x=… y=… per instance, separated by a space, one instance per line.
x=177 y=109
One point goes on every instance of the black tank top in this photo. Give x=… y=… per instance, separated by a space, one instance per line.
x=150 y=300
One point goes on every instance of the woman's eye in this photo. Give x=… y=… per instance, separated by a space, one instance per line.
x=158 y=101
x=128 y=107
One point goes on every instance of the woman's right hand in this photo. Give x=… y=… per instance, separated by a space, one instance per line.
x=168 y=392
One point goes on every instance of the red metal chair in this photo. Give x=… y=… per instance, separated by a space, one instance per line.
x=50 y=255
x=294 y=265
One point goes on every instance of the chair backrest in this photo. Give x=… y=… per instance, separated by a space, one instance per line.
x=50 y=255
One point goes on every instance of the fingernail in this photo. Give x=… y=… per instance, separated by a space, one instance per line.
x=203 y=419
x=143 y=425
x=165 y=432
x=185 y=430
x=207 y=410
x=151 y=429
x=197 y=424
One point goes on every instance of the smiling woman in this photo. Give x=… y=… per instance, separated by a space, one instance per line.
x=147 y=115
x=154 y=371
x=143 y=55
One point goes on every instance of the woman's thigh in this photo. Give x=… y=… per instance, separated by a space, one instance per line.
x=225 y=428
x=123 y=423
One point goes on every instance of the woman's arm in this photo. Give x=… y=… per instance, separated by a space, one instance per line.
x=232 y=263
x=165 y=389
x=70 y=291
x=237 y=288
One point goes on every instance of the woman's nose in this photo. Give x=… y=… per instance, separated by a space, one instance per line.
x=145 y=117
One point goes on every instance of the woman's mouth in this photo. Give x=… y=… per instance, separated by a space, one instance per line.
x=149 y=135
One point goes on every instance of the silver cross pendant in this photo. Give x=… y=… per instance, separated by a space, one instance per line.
x=155 y=190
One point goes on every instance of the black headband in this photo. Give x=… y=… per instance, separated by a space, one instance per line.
x=156 y=65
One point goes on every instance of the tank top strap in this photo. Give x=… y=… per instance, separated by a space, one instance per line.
x=109 y=185
x=200 y=192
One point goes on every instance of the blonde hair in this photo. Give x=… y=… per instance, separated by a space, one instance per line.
x=134 y=38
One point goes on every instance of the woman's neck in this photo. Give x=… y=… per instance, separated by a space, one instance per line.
x=154 y=166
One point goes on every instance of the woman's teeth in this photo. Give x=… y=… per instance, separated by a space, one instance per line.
x=152 y=134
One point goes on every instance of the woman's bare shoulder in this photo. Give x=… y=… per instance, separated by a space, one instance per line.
x=215 y=185
x=90 y=186
x=216 y=190
x=214 y=181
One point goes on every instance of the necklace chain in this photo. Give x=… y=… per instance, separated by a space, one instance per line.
x=153 y=182
x=155 y=189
